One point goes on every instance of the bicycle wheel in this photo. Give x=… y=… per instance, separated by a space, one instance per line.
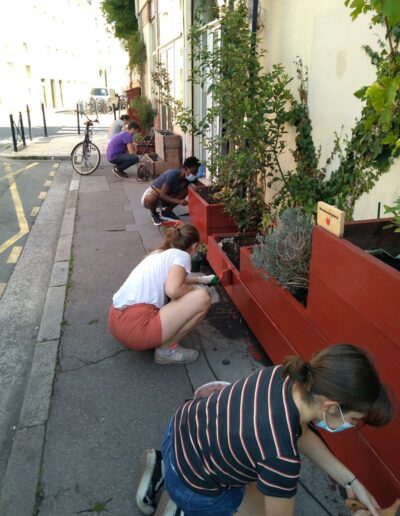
x=85 y=158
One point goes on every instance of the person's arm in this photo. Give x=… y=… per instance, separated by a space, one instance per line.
x=131 y=147
x=175 y=286
x=279 y=506
x=314 y=448
x=164 y=196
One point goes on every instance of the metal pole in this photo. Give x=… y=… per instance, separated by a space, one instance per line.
x=77 y=116
x=44 y=120
x=28 y=113
x=95 y=107
x=115 y=116
x=21 y=124
x=379 y=211
x=14 y=136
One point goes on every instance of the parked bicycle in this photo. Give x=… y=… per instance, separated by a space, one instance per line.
x=86 y=155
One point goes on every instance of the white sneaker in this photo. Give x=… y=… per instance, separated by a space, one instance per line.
x=176 y=355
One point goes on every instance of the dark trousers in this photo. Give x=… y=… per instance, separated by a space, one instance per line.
x=124 y=161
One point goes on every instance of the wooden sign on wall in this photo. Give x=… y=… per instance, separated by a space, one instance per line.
x=330 y=218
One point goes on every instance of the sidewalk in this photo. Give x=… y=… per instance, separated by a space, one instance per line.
x=91 y=406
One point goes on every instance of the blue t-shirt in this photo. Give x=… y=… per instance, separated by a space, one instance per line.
x=118 y=144
x=171 y=178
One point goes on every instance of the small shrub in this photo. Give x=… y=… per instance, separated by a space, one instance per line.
x=144 y=111
x=395 y=212
x=285 y=252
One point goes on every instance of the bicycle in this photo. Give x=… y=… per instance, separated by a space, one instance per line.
x=85 y=156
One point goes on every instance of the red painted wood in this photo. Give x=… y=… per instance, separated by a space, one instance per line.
x=371 y=287
x=340 y=309
x=286 y=312
x=208 y=218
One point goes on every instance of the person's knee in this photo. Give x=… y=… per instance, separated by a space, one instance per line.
x=203 y=299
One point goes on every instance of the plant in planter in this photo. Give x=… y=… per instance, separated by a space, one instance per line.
x=200 y=258
x=285 y=252
x=395 y=211
x=145 y=113
x=251 y=119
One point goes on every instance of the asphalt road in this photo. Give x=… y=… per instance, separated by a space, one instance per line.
x=23 y=187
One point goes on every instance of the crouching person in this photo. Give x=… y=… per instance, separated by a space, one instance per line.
x=140 y=317
x=254 y=430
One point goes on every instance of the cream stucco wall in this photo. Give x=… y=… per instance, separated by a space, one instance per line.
x=322 y=33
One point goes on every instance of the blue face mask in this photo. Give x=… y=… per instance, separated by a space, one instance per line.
x=324 y=425
x=191 y=178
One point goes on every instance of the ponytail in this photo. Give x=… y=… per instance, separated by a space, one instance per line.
x=346 y=374
x=180 y=237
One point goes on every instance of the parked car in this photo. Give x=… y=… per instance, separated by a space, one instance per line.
x=104 y=97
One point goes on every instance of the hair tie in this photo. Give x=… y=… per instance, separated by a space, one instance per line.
x=307 y=371
x=308 y=367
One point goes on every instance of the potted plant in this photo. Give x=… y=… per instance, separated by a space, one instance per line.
x=246 y=142
x=167 y=144
x=144 y=113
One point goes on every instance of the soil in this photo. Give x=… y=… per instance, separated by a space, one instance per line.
x=388 y=259
x=231 y=246
x=209 y=194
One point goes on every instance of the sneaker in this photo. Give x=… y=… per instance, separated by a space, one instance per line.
x=119 y=173
x=151 y=480
x=155 y=217
x=175 y=355
x=169 y=215
x=166 y=507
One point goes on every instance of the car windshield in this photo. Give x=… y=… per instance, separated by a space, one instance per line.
x=99 y=92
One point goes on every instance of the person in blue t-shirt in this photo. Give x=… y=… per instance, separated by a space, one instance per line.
x=121 y=150
x=169 y=190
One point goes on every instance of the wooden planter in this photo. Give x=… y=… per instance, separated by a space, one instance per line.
x=208 y=218
x=169 y=147
x=353 y=297
x=144 y=148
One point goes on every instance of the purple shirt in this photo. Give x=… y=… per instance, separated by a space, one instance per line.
x=118 y=144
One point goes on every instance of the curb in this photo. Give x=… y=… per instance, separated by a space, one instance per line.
x=20 y=498
x=36 y=157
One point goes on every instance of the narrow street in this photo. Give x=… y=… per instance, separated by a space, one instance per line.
x=23 y=188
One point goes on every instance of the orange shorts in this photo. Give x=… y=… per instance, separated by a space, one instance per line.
x=137 y=327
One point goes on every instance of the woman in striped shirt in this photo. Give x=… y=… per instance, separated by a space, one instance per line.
x=253 y=431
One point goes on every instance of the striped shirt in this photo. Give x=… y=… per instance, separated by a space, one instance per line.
x=245 y=433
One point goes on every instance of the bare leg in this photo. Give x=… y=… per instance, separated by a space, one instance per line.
x=180 y=316
x=253 y=502
x=151 y=201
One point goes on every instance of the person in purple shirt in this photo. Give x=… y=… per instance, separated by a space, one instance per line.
x=121 y=150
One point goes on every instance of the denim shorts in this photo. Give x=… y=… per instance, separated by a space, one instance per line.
x=192 y=503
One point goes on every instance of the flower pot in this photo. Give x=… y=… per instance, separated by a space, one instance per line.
x=209 y=219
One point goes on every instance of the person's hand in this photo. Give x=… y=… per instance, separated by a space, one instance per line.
x=209 y=280
x=183 y=202
x=357 y=490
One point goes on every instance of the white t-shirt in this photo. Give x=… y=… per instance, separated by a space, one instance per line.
x=146 y=283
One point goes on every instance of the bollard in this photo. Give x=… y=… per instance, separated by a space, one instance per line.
x=114 y=111
x=28 y=113
x=77 y=116
x=44 y=120
x=95 y=107
x=14 y=136
x=21 y=124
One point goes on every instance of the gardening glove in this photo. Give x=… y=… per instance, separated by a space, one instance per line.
x=209 y=280
x=212 y=291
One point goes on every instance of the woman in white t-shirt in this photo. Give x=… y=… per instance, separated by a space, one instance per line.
x=140 y=317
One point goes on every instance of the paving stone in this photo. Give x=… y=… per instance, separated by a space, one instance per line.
x=63 y=248
x=59 y=275
x=35 y=409
x=50 y=326
x=67 y=227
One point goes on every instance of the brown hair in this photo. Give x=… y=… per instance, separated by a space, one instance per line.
x=344 y=373
x=180 y=237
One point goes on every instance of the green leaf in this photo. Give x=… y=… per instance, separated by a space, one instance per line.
x=391 y=9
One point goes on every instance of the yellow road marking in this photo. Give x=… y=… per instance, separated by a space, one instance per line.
x=19 y=210
x=14 y=255
x=42 y=195
x=52 y=173
x=47 y=183
x=35 y=211
x=31 y=165
x=2 y=288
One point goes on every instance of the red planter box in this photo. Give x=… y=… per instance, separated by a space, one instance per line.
x=208 y=218
x=353 y=297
